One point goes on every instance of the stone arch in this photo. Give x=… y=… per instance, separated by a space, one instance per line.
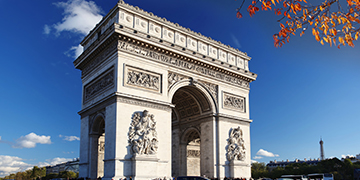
x=194 y=86
x=97 y=146
x=194 y=104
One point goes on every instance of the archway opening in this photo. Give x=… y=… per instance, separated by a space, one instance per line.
x=191 y=107
x=97 y=148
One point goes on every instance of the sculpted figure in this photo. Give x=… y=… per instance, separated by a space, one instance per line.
x=236 y=146
x=142 y=134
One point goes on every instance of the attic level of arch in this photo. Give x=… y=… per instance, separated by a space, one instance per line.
x=111 y=42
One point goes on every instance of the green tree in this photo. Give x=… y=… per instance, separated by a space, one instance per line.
x=67 y=174
x=38 y=173
x=258 y=170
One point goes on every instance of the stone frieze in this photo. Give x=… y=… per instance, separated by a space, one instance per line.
x=233 y=102
x=176 y=61
x=101 y=84
x=142 y=79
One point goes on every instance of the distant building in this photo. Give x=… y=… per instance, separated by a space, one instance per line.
x=273 y=164
x=353 y=159
x=66 y=166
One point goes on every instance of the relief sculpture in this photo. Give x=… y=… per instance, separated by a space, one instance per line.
x=100 y=85
x=142 y=134
x=234 y=102
x=236 y=146
x=173 y=78
x=139 y=78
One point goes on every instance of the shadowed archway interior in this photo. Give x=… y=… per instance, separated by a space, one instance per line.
x=190 y=106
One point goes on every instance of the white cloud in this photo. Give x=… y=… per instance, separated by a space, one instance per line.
x=69 y=138
x=347 y=156
x=253 y=161
x=77 y=50
x=57 y=160
x=80 y=16
x=265 y=153
x=30 y=141
x=46 y=29
x=258 y=157
x=12 y=164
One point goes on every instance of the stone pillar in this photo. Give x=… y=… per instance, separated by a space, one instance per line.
x=112 y=137
x=93 y=161
x=208 y=148
x=84 y=147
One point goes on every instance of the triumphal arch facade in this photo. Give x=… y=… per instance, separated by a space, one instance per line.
x=160 y=100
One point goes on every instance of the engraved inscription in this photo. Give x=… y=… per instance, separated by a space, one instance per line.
x=182 y=64
x=100 y=85
x=234 y=102
x=146 y=80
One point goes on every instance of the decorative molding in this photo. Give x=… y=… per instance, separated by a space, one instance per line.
x=236 y=146
x=233 y=102
x=212 y=88
x=174 y=78
x=142 y=79
x=142 y=134
x=193 y=153
x=105 y=50
x=184 y=63
x=100 y=84
x=143 y=103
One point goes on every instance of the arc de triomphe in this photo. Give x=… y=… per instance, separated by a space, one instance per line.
x=161 y=100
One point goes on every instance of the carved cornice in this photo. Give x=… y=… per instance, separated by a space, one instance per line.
x=159 y=20
x=167 y=57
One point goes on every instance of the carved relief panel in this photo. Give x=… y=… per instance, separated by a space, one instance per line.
x=142 y=79
x=99 y=85
x=233 y=102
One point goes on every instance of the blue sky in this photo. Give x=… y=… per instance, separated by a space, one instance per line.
x=304 y=90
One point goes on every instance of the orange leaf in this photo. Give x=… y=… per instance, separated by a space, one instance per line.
x=239 y=15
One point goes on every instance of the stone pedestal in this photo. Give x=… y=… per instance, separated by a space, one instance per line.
x=239 y=169
x=144 y=167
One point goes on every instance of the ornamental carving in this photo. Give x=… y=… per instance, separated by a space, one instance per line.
x=142 y=134
x=173 y=78
x=212 y=88
x=236 y=146
x=103 y=83
x=181 y=63
x=234 y=102
x=193 y=153
x=143 y=79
